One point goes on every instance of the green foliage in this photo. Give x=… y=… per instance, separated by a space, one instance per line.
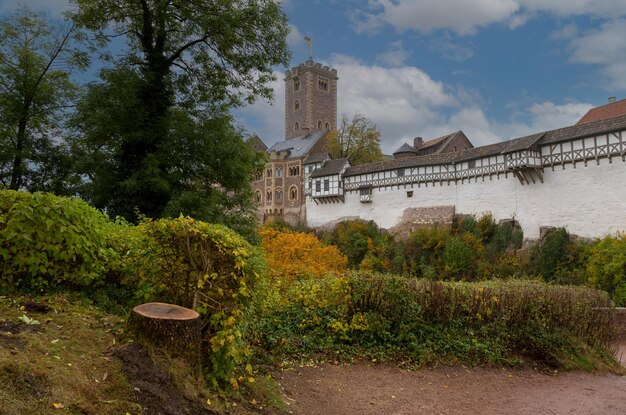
x=208 y=268
x=351 y=237
x=421 y=321
x=551 y=253
x=461 y=256
x=166 y=144
x=357 y=139
x=36 y=58
x=48 y=241
x=607 y=267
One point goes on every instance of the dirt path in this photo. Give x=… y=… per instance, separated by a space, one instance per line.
x=383 y=389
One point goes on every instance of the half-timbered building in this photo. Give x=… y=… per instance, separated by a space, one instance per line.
x=572 y=177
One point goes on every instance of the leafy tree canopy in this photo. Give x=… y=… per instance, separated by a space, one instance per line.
x=36 y=59
x=358 y=139
x=165 y=145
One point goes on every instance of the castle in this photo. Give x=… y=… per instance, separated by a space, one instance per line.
x=572 y=177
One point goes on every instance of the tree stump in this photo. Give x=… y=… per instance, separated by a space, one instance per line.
x=170 y=327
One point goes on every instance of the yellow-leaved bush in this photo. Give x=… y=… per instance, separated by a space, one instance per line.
x=207 y=267
x=291 y=255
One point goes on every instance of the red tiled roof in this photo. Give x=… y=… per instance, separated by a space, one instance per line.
x=434 y=141
x=611 y=110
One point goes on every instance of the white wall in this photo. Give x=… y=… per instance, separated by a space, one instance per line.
x=588 y=201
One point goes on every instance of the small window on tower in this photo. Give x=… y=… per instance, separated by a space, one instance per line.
x=327 y=126
x=322 y=83
x=296 y=83
x=297 y=126
x=319 y=125
x=296 y=105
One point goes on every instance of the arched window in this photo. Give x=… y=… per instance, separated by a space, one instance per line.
x=293 y=193
x=278 y=196
x=268 y=195
x=296 y=83
x=279 y=172
x=257 y=196
x=296 y=105
x=297 y=126
x=319 y=125
x=328 y=126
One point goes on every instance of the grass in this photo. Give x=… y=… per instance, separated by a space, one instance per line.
x=61 y=362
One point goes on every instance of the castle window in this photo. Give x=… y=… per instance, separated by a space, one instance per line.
x=297 y=126
x=279 y=172
x=296 y=83
x=258 y=176
x=296 y=105
x=322 y=83
x=328 y=126
x=257 y=196
x=279 y=196
x=318 y=186
x=294 y=171
x=269 y=172
x=268 y=195
x=293 y=193
x=319 y=125
x=326 y=185
x=409 y=193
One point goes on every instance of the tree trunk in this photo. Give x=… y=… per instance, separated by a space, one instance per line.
x=169 y=327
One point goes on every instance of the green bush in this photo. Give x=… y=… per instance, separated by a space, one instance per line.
x=206 y=267
x=423 y=321
x=49 y=241
x=550 y=253
x=607 y=267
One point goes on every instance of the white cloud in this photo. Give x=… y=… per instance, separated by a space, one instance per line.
x=451 y=50
x=461 y=16
x=268 y=118
x=395 y=55
x=466 y=17
x=605 y=46
x=295 y=38
x=566 y=32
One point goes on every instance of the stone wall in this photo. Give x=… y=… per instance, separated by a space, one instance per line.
x=589 y=201
x=415 y=218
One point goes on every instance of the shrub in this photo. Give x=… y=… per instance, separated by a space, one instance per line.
x=424 y=321
x=353 y=238
x=291 y=255
x=209 y=268
x=48 y=241
x=607 y=267
x=551 y=253
x=461 y=256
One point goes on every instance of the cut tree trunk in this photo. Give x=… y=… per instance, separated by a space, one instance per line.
x=168 y=327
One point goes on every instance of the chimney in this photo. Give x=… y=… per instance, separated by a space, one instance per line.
x=612 y=100
x=418 y=142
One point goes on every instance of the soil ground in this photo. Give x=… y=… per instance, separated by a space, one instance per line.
x=363 y=388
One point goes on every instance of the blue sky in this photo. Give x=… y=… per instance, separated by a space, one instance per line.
x=496 y=69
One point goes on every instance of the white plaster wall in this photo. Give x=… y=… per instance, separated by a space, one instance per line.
x=589 y=201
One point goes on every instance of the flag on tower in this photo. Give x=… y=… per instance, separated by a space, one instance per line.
x=308 y=42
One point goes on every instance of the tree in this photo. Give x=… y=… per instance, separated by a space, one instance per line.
x=209 y=164
x=35 y=88
x=358 y=140
x=187 y=61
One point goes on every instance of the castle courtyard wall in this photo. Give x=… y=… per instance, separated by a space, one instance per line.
x=588 y=200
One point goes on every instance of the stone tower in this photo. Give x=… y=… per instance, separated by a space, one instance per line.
x=310 y=99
